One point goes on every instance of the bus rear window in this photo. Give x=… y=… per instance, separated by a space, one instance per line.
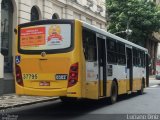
x=45 y=37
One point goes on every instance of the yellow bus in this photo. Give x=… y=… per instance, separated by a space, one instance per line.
x=72 y=59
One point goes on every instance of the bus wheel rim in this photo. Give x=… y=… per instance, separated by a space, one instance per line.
x=114 y=93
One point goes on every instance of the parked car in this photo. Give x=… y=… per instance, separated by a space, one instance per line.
x=157 y=76
x=157 y=70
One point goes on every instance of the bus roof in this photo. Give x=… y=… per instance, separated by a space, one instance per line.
x=103 y=32
x=91 y=27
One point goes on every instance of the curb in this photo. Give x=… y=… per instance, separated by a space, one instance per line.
x=152 y=79
x=29 y=103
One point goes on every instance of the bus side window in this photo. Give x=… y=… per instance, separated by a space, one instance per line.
x=139 y=58
x=121 y=53
x=134 y=56
x=111 y=51
x=89 y=45
x=144 y=55
x=142 y=59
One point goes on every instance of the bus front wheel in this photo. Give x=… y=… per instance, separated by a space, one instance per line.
x=141 y=91
x=114 y=92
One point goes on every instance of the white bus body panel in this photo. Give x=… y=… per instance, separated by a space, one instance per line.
x=91 y=71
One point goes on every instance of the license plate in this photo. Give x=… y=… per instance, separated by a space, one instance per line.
x=44 y=83
x=30 y=76
x=61 y=76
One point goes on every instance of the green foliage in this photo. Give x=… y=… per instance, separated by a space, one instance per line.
x=142 y=17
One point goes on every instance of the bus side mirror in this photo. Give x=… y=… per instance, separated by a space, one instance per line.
x=15 y=31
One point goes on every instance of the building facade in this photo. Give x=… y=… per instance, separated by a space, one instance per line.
x=154 y=47
x=14 y=12
x=157 y=1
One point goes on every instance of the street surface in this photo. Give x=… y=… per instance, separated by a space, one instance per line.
x=148 y=103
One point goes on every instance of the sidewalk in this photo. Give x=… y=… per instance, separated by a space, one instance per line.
x=152 y=77
x=13 y=100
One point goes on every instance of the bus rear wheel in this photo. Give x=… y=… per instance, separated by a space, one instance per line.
x=68 y=99
x=114 y=92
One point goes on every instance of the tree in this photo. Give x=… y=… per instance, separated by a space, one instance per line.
x=142 y=17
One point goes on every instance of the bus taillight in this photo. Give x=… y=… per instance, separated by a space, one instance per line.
x=19 y=75
x=73 y=75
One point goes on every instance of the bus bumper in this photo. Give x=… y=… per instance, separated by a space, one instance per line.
x=41 y=92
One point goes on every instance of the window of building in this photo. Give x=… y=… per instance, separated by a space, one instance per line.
x=98 y=25
x=89 y=45
x=6 y=33
x=55 y=16
x=76 y=15
x=34 y=13
x=99 y=9
x=88 y=20
x=89 y=3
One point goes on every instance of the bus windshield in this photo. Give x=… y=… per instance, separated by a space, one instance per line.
x=45 y=37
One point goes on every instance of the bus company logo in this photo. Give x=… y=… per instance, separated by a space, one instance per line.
x=54 y=33
x=43 y=54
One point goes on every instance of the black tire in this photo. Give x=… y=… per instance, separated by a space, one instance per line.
x=114 y=93
x=68 y=99
x=141 y=91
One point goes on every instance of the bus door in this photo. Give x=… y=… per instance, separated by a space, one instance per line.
x=129 y=67
x=147 y=69
x=102 y=74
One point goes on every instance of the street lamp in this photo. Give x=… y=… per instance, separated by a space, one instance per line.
x=127 y=31
x=120 y=32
